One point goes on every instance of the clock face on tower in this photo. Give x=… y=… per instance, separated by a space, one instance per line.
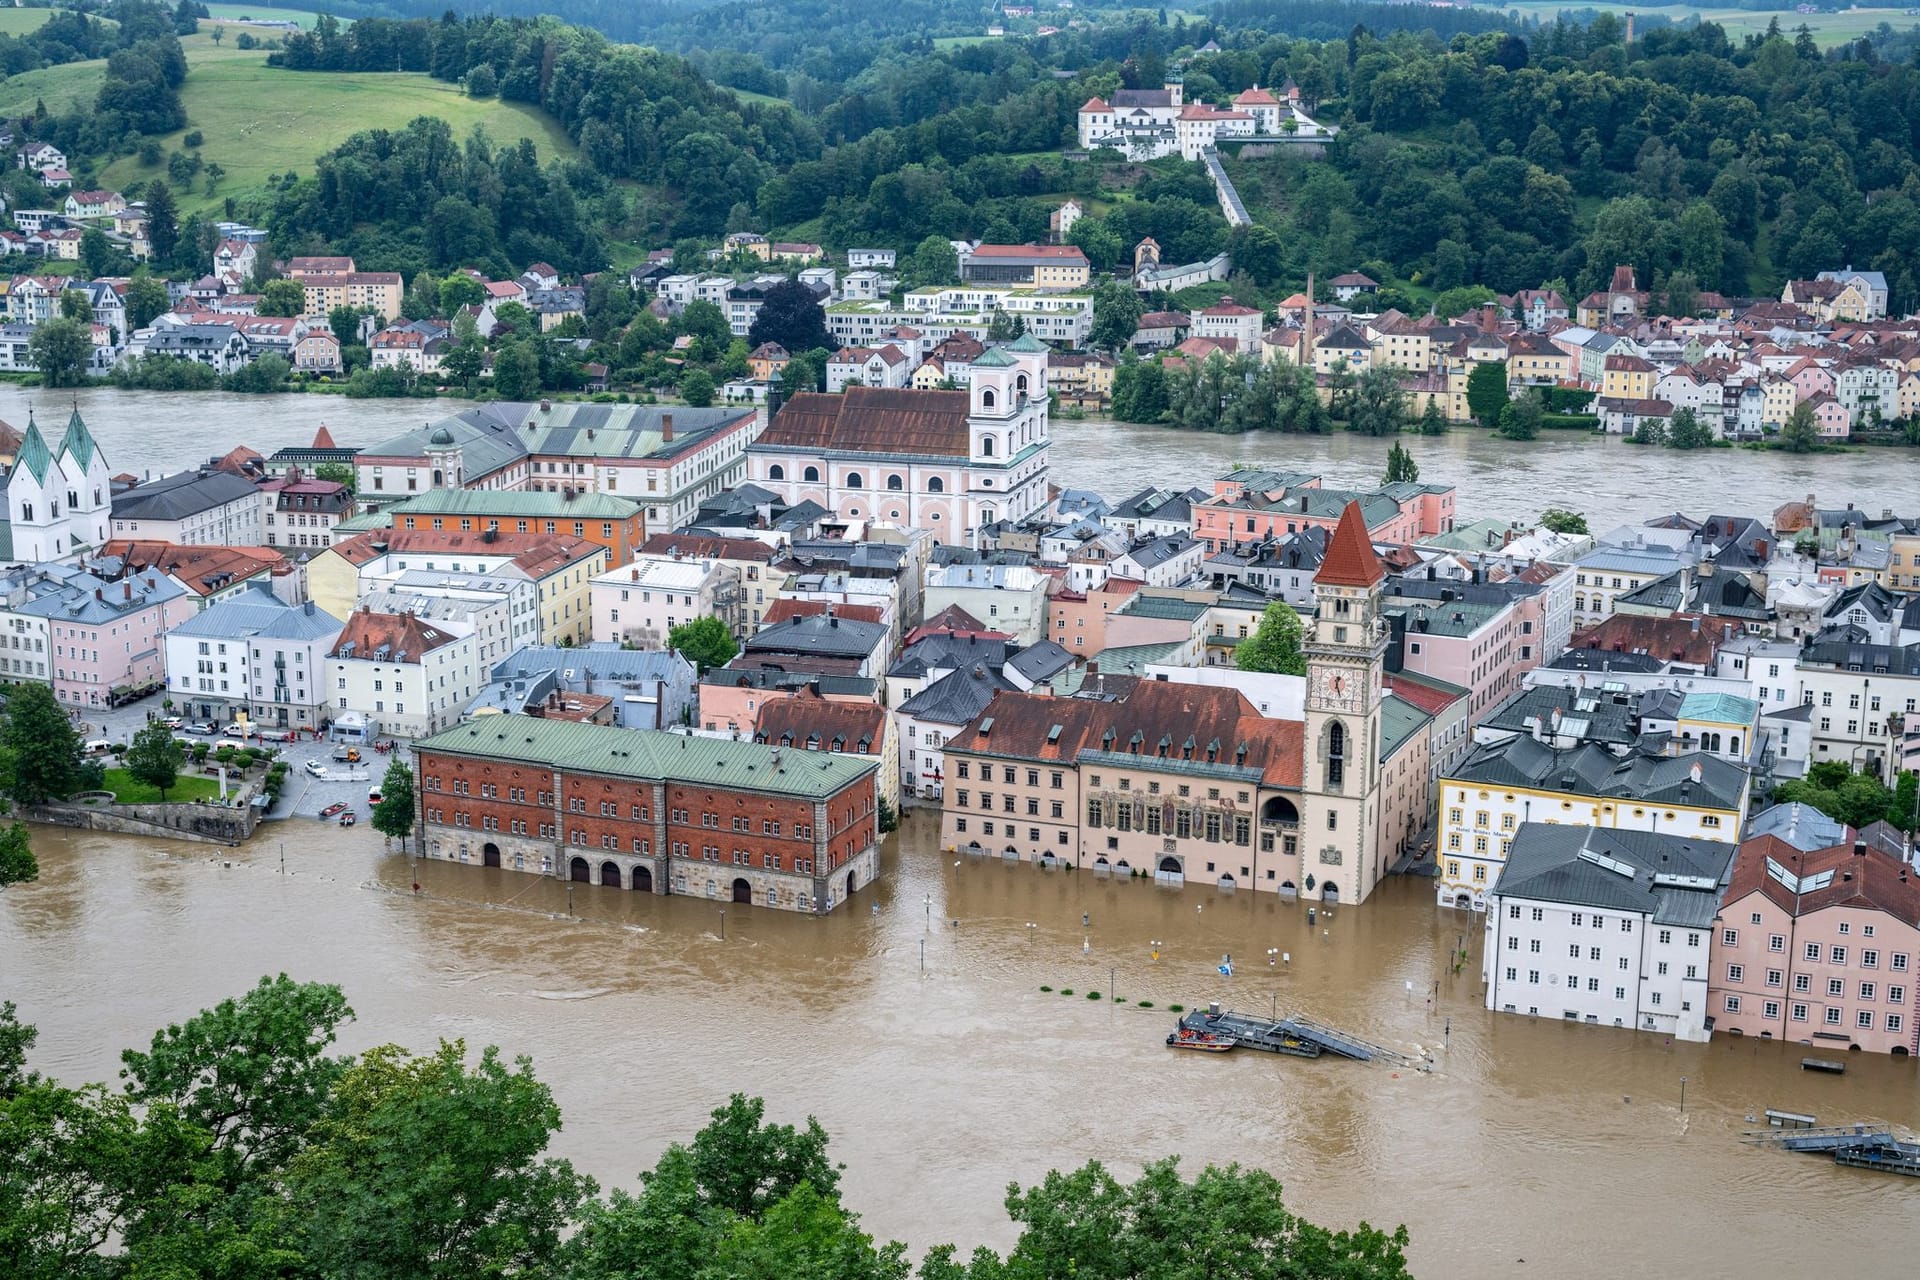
x=1337 y=689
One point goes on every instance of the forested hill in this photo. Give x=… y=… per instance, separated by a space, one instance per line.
x=1492 y=158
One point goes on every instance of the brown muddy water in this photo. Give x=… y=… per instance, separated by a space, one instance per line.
x=1533 y=1147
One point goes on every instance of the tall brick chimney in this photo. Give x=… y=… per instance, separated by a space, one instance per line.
x=666 y=428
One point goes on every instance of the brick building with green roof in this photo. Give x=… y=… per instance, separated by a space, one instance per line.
x=652 y=811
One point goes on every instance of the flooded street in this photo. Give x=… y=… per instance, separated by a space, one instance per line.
x=1609 y=480
x=1563 y=1146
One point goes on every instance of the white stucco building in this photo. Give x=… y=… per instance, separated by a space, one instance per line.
x=946 y=461
x=1607 y=927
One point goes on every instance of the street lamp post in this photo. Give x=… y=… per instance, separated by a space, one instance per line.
x=723 y=924
x=1683 y=1093
x=929 y=913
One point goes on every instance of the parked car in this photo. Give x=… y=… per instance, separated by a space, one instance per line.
x=315 y=769
x=98 y=747
x=204 y=728
x=373 y=795
x=173 y=722
x=238 y=730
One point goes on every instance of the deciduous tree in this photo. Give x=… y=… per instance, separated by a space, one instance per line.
x=42 y=746
x=705 y=642
x=61 y=349
x=1487 y=392
x=393 y=816
x=154 y=757
x=1275 y=647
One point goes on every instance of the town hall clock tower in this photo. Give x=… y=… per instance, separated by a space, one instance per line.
x=1340 y=779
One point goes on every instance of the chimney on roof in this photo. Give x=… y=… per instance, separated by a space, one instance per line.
x=666 y=428
x=1859 y=848
x=127 y=590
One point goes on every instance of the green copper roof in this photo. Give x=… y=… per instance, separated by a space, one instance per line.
x=1028 y=343
x=994 y=358
x=653 y=754
x=518 y=503
x=78 y=441
x=33 y=452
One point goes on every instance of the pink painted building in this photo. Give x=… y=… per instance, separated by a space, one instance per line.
x=1818 y=947
x=102 y=635
x=1486 y=649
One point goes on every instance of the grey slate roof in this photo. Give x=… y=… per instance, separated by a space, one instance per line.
x=601 y=661
x=1040 y=661
x=1591 y=770
x=819 y=635
x=177 y=497
x=1800 y=825
x=956 y=698
x=1890 y=659
x=1594 y=717
x=258 y=612
x=1675 y=881
x=944 y=651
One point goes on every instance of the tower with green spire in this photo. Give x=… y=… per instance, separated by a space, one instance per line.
x=59 y=500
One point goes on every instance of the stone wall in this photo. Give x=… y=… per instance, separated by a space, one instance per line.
x=206 y=823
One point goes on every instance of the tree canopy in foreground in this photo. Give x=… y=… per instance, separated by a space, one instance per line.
x=240 y=1147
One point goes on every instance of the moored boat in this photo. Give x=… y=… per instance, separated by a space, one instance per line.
x=1199 y=1041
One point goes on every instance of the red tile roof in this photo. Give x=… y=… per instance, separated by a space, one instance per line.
x=813 y=723
x=1872 y=880
x=1148 y=718
x=397 y=637
x=1682 y=637
x=874 y=420
x=203 y=569
x=781 y=610
x=1350 y=560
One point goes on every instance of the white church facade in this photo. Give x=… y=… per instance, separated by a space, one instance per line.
x=952 y=462
x=59 y=499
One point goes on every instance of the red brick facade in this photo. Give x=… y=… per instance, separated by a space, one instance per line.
x=654 y=834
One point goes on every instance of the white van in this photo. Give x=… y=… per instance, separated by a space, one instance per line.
x=98 y=747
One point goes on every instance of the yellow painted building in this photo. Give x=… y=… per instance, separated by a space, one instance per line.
x=378 y=292
x=1627 y=378
x=1504 y=784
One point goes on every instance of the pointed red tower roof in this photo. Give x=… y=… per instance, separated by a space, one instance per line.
x=323 y=439
x=1350 y=561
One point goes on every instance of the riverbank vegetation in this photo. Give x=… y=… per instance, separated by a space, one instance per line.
x=241 y=1136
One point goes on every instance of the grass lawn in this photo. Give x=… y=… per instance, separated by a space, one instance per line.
x=260 y=120
x=1828 y=29
x=186 y=788
x=18 y=22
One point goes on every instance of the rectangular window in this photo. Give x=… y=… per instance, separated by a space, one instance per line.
x=1736 y=973
x=1837 y=955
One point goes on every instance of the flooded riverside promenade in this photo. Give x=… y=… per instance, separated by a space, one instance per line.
x=1561 y=1145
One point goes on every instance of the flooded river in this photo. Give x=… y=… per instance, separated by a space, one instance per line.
x=1605 y=478
x=1533 y=1148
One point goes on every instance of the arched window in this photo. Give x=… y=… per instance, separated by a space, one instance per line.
x=1336 y=754
x=853 y=480
x=1020 y=384
x=811 y=475
x=776 y=473
x=986 y=398
x=986 y=443
x=894 y=483
x=936 y=485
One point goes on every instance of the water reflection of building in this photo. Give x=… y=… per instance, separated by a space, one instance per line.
x=651 y=811
x=1190 y=782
